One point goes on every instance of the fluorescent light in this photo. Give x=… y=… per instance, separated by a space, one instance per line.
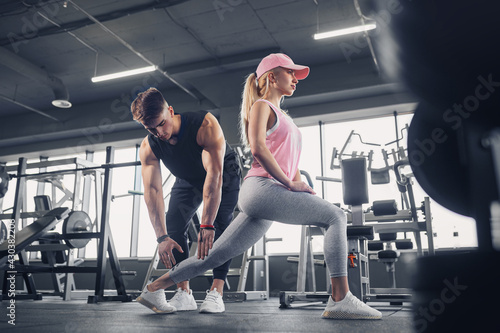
x=346 y=31
x=123 y=74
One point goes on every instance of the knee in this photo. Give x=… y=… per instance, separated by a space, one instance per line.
x=337 y=216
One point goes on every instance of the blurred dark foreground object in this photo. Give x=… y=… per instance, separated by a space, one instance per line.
x=447 y=54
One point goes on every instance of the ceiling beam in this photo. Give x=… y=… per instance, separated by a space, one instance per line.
x=223 y=64
x=32 y=71
x=74 y=25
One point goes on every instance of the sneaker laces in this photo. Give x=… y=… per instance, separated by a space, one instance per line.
x=177 y=294
x=211 y=296
x=357 y=303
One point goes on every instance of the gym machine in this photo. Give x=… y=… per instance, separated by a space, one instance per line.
x=77 y=230
x=382 y=218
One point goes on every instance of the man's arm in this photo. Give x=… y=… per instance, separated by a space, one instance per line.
x=153 y=196
x=211 y=138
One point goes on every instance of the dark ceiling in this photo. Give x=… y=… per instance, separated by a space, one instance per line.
x=203 y=49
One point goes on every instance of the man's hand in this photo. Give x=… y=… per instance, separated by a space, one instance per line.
x=165 y=250
x=205 y=242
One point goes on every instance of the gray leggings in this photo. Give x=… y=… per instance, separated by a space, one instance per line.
x=262 y=201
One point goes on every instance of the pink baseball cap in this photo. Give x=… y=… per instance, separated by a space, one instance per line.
x=281 y=60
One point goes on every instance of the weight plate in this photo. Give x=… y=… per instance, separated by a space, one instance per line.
x=77 y=222
x=4 y=182
x=3 y=232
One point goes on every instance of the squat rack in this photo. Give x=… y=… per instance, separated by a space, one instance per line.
x=103 y=236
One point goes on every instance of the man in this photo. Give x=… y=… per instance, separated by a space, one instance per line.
x=192 y=146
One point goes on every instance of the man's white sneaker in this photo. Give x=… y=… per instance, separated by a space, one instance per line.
x=184 y=300
x=213 y=303
x=349 y=308
x=156 y=301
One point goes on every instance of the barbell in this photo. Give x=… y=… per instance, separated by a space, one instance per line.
x=5 y=177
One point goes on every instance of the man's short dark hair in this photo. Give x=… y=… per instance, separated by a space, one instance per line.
x=147 y=105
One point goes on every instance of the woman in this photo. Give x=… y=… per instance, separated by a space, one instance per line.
x=272 y=191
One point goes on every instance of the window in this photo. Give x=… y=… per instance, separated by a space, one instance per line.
x=450 y=229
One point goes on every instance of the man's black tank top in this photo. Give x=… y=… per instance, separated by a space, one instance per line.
x=183 y=159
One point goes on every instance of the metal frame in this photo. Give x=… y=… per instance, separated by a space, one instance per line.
x=105 y=241
x=53 y=178
x=106 y=244
x=306 y=274
x=359 y=273
x=136 y=206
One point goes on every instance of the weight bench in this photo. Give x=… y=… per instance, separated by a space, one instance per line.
x=32 y=232
x=23 y=239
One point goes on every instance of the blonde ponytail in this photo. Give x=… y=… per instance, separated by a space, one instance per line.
x=252 y=91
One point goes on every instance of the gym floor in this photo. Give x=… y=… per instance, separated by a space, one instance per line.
x=55 y=315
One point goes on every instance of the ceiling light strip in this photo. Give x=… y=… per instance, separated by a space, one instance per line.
x=347 y=31
x=123 y=74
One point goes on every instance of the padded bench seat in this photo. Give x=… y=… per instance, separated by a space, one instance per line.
x=35 y=230
x=356 y=231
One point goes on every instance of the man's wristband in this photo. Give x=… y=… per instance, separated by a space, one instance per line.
x=161 y=238
x=207 y=226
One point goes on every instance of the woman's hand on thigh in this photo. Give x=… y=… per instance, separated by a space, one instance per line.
x=300 y=186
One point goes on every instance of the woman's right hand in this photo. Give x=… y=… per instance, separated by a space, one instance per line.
x=300 y=186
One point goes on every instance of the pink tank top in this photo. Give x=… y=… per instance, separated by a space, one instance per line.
x=284 y=141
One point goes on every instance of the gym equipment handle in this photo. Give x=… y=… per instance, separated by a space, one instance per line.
x=399 y=178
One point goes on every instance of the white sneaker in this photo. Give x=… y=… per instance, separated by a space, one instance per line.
x=350 y=308
x=213 y=302
x=156 y=301
x=184 y=300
